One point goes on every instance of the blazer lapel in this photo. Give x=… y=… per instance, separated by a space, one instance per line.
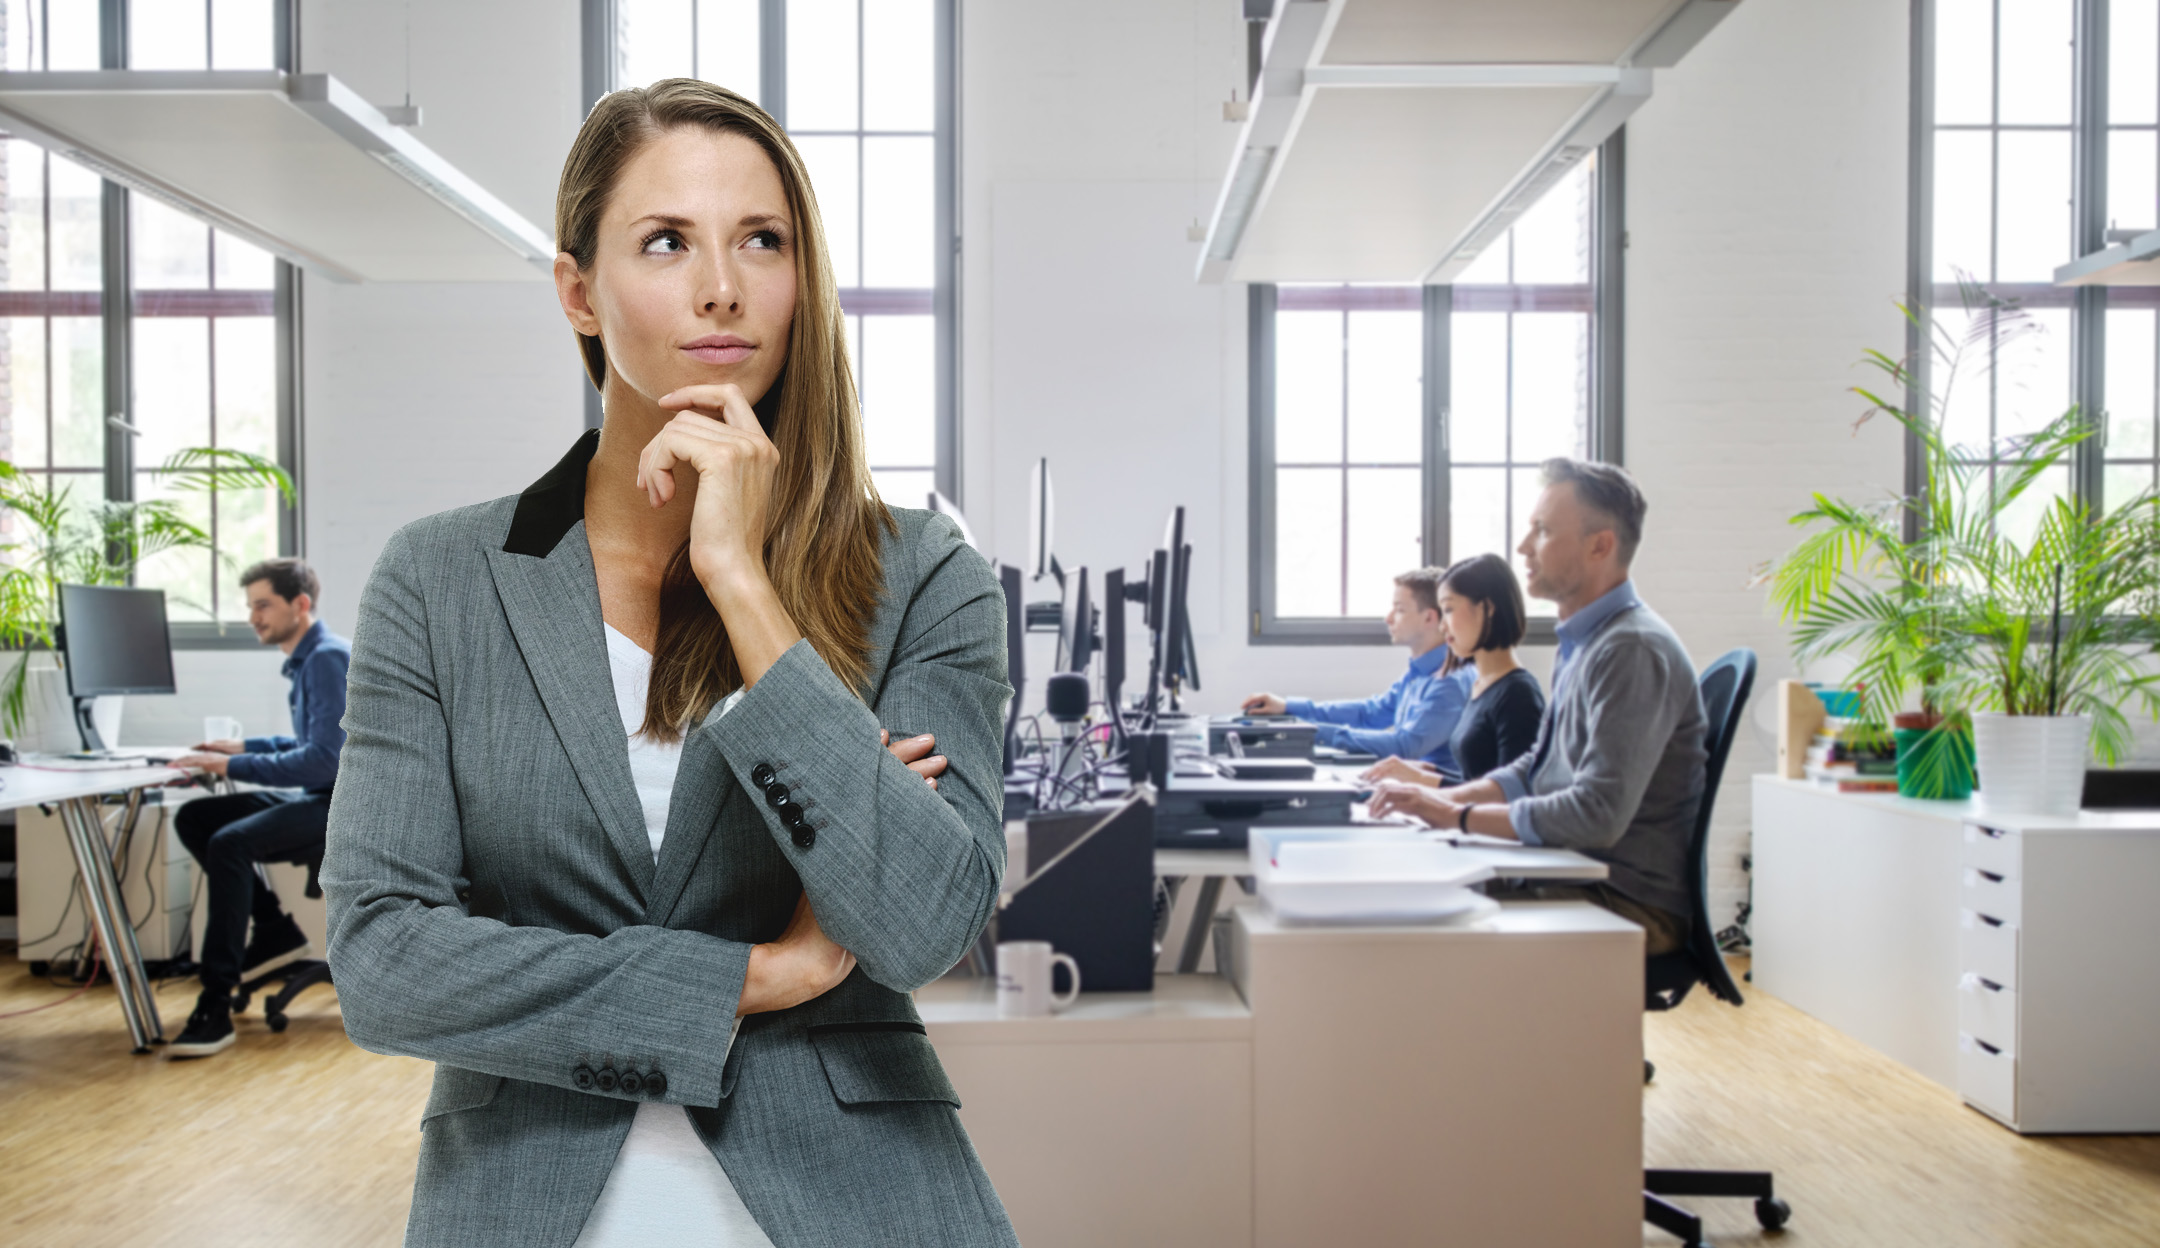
x=553 y=604
x=703 y=783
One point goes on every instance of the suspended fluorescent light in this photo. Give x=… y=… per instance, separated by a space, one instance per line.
x=298 y=164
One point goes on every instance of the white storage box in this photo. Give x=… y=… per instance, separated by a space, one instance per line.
x=1369 y=881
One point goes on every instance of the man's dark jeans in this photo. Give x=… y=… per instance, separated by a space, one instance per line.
x=228 y=835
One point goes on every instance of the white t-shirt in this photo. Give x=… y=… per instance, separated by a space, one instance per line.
x=666 y=1190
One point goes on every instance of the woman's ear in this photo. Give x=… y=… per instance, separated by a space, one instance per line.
x=575 y=296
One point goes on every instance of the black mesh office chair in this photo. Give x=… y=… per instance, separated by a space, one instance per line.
x=295 y=977
x=1669 y=976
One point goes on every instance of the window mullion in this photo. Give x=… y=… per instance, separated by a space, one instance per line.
x=1439 y=485
x=2088 y=318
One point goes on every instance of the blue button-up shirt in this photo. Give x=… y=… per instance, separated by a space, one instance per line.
x=309 y=758
x=1412 y=720
x=1574 y=632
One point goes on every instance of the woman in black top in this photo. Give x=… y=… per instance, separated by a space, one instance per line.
x=1481 y=607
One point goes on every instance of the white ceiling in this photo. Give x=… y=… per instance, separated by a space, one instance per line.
x=286 y=163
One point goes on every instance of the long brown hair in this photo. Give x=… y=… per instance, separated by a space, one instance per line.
x=822 y=546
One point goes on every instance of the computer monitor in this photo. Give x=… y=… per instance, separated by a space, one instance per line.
x=1042 y=523
x=1076 y=624
x=946 y=507
x=113 y=640
x=1009 y=580
x=1113 y=638
x=1180 y=663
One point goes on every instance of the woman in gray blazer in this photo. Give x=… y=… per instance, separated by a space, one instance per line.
x=616 y=841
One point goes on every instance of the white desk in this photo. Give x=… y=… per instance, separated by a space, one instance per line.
x=1373 y=1086
x=2008 y=957
x=74 y=793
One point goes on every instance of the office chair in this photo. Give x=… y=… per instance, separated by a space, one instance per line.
x=298 y=976
x=1668 y=977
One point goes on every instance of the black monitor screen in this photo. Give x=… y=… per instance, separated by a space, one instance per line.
x=115 y=640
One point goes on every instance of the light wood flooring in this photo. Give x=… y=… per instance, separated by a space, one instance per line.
x=302 y=1139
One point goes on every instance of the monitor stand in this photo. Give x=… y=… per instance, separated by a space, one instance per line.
x=86 y=725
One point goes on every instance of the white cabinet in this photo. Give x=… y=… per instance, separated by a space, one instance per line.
x=2010 y=957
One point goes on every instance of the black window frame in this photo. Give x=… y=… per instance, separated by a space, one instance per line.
x=1607 y=271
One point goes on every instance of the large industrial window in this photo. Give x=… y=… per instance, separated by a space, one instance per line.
x=2036 y=137
x=864 y=87
x=201 y=350
x=1402 y=426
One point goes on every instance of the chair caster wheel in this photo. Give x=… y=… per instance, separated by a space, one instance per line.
x=1772 y=1213
x=1649 y=1070
x=240 y=1002
x=278 y=1023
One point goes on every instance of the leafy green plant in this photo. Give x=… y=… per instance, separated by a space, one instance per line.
x=1938 y=599
x=56 y=543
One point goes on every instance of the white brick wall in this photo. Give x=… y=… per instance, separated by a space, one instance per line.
x=1766 y=208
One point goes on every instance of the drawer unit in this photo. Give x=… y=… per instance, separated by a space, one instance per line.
x=1988 y=947
x=1993 y=850
x=1987 y=1077
x=1996 y=896
x=1988 y=1011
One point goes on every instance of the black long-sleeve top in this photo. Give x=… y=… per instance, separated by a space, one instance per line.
x=1499 y=725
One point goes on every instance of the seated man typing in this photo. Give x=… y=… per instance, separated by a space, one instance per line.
x=1617 y=771
x=229 y=834
x=1415 y=718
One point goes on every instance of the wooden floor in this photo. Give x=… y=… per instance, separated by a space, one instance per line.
x=302 y=1139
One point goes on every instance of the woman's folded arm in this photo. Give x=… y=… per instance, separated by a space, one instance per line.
x=901 y=875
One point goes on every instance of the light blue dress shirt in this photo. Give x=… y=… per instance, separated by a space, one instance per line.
x=1412 y=720
x=1574 y=632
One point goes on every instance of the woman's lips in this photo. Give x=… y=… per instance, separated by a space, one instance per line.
x=719 y=349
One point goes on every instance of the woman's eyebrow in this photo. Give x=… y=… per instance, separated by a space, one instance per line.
x=666 y=219
x=763 y=218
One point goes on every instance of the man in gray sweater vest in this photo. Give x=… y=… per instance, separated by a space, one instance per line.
x=1617 y=771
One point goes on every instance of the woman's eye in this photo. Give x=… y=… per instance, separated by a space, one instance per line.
x=764 y=240
x=663 y=243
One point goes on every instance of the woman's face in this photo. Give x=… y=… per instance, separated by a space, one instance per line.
x=694 y=278
x=1464 y=620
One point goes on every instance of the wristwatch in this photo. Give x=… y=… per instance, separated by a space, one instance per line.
x=1462 y=819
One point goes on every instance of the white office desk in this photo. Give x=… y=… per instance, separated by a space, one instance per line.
x=2006 y=956
x=74 y=792
x=1373 y=1086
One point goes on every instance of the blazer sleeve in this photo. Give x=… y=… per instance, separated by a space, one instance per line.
x=417 y=975
x=901 y=875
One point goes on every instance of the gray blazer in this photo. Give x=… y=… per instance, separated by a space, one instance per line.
x=495 y=908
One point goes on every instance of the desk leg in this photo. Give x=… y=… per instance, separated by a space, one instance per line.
x=1203 y=917
x=108 y=914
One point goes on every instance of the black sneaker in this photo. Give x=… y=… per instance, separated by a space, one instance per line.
x=274 y=944
x=209 y=1028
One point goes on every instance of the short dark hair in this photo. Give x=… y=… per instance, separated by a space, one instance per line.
x=1424 y=585
x=1488 y=581
x=289 y=578
x=1607 y=491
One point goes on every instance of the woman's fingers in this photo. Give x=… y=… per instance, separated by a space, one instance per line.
x=911 y=749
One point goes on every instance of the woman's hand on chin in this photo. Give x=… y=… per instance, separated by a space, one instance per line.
x=802 y=965
x=716 y=435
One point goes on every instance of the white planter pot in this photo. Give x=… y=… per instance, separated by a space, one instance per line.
x=2032 y=764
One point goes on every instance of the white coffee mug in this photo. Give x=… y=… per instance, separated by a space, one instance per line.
x=1023 y=979
x=220 y=728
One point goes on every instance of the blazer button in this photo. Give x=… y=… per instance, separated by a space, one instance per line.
x=607 y=1079
x=632 y=1082
x=777 y=793
x=762 y=774
x=786 y=808
x=805 y=836
x=583 y=1078
x=655 y=1085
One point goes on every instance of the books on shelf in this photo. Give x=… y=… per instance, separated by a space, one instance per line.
x=1843 y=759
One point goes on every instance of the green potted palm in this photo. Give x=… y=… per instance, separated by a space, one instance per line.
x=1981 y=610
x=54 y=542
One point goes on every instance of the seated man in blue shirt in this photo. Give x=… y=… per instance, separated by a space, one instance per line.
x=1416 y=717
x=229 y=834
